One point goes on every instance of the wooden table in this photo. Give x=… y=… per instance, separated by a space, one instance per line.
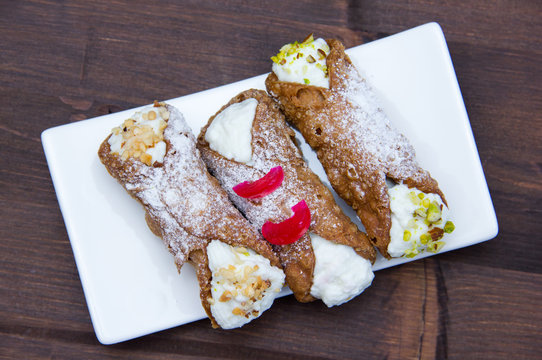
x=62 y=62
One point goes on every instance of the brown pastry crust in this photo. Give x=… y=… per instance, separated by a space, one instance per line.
x=184 y=204
x=357 y=147
x=273 y=144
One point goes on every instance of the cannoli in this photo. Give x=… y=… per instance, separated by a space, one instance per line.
x=368 y=162
x=153 y=156
x=247 y=145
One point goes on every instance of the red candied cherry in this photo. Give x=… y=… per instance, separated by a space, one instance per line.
x=261 y=187
x=291 y=229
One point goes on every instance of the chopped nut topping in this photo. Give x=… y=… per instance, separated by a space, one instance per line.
x=243 y=284
x=145 y=158
x=294 y=51
x=428 y=224
x=248 y=292
x=238 y=311
x=449 y=227
x=137 y=138
x=415 y=199
x=322 y=67
x=435 y=246
x=436 y=233
x=426 y=203
x=322 y=54
x=226 y=296
x=433 y=212
x=308 y=39
x=425 y=238
x=421 y=212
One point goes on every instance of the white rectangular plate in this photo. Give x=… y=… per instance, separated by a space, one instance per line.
x=130 y=282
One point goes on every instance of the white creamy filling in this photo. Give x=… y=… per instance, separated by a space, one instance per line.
x=158 y=151
x=406 y=205
x=307 y=68
x=243 y=286
x=115 y=143
x=230 y=133
x=340 y=273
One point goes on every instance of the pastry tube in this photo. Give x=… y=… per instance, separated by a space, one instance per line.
x=154 y=157
x=369 y=164
x=242 y=142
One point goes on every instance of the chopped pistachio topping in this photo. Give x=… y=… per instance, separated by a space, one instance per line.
x=425 y=238
x=449 y=227
x=303 y=63
x=435 y=246
x=421 y=212
x=322 y=67
x=419 y=219
x=309 y=38
x=433 y=212
x=321 y=54
x=296 y=48
x=426 y=203
x=411 y=253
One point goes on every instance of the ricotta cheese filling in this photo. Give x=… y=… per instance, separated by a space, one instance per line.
x=340 y=274
x=418 y=221
x=243 y=286
x=142 y=136
x=230 y=133
x=303 y=63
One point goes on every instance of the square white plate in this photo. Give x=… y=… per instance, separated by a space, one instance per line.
x=130 y=282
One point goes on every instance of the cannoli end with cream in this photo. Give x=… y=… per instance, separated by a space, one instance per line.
x=244 y=284
x=340 y=274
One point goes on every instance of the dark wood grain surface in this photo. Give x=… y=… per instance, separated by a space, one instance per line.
x=65 y=61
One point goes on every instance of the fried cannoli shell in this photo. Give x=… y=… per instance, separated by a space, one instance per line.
x=184 y=205
x=273 y=145
x=325 y=118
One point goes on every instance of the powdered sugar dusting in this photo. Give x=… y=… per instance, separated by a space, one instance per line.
x=273 y=146
x=277 y=205
x=179 y=194
x=366 y=127
x=354 y=140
